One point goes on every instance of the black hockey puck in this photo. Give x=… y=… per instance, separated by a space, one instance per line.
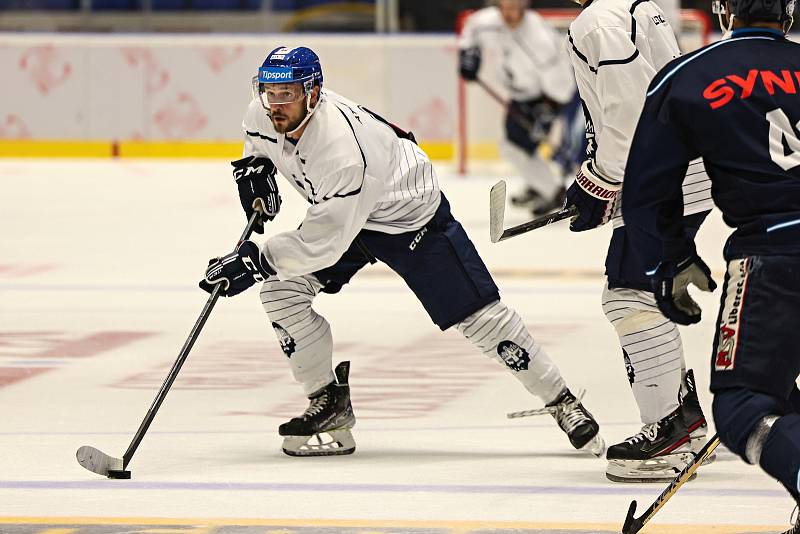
x=118 y=473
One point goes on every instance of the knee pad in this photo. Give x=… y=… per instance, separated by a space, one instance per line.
x=744 y=419
x=631 y=310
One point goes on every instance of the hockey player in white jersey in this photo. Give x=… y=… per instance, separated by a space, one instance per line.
x=616 y=47
x=373 y=196
x=536 y=73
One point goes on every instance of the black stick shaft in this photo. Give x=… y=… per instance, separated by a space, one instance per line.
x=566 y=213
x=184 y=353
x=515 y=116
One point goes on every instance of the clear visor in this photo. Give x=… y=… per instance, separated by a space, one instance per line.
x=277 y=93
x=717 y=7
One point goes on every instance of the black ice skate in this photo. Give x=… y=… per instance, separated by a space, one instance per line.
x=575 y=420
x=527 y=198
x=693 y=416
x=324 y=428
x=656 y=454
x=545 y=207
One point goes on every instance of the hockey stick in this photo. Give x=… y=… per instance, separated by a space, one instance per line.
x=101 y=463
x=633 y=525
x=516 y=116
x=497 y=210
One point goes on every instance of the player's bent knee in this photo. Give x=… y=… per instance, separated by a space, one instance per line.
x=631 y=310
x=743 y=419
x=284 y=298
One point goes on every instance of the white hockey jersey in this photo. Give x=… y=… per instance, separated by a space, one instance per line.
x=354 y=172
x=533 y=59
x=616 y=48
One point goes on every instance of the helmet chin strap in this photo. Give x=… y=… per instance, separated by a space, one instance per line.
x=787 y=24
x=309 y=112
x=726 y=31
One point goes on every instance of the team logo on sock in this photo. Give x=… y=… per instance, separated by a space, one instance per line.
x=629 y=366
x=285 y=339
x=514 y=356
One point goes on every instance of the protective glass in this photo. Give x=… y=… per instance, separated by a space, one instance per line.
x=277 y=93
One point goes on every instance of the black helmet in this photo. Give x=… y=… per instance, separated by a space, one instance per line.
x=758 y=10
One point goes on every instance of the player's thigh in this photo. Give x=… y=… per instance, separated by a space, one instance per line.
x=441 y=266
x=625 y=269
x=337 y=275
x=757 y=338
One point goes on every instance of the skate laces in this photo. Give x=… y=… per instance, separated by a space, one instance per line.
x=317 y=405
x=648 y=432
x=568 y=413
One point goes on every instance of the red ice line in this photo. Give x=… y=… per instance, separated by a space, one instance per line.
x=83 y=347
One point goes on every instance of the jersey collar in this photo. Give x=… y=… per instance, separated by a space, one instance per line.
x=765 y=32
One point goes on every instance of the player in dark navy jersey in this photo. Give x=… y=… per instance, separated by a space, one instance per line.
x=736 y=104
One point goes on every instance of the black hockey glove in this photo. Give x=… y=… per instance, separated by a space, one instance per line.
x=670 y=285
x=258 y=191
x=536 y=115
x=469 y=61
x=594 y=196
x=237 y=271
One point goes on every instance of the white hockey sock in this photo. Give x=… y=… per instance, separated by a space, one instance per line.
x=304 y=335
x=652 y=349
x=499 y=332
x=537 y=174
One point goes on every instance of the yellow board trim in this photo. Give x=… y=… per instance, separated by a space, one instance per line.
x=461 y=526
x=55 y=149
x=180 y=149
x=225 y=149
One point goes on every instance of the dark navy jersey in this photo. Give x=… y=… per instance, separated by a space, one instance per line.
x=736 y=104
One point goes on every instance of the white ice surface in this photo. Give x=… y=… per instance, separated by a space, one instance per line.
x=98 y=269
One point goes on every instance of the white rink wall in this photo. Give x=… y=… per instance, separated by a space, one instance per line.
x=181 y=87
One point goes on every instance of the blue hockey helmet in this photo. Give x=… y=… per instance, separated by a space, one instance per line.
x=288 y=66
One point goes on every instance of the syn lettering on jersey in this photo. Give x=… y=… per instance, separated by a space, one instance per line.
x=720 y=92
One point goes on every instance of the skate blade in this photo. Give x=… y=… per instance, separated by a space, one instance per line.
x=596 y=446
x=697 y=443
x=661 y=469
x=97 y=461
x=331 y=443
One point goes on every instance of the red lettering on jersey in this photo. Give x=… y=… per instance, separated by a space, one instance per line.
x=719 y=92
x=746 y=85
x=771 y=79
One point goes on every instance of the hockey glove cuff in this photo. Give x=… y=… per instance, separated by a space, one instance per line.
x=594 y=195
x=237 y=271
x=671 y=287
x=258 y=190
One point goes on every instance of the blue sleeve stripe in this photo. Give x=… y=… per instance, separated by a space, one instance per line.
x=783 y=225
x=697 y=55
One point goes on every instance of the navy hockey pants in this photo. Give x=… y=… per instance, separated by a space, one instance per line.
x=438 y=262
x=756 y=361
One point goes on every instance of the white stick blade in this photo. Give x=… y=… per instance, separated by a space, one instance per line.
x=497 y=210
x=97 y=461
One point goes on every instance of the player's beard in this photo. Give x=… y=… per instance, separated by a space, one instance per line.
x=287 y=124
